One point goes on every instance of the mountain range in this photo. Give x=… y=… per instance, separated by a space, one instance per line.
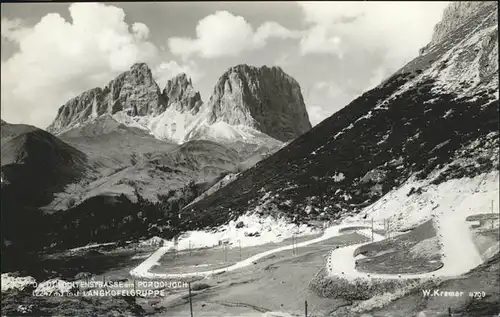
x=167 y=154
x=131 y=139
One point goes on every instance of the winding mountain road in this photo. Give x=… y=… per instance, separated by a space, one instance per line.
x=459 y=254
x=458 y=251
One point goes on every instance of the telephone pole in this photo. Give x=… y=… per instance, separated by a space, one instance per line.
x=294 y=244
x=190 y=300
x=372 y=229
x=224 y=251
x=492 y=219
x=388 y=228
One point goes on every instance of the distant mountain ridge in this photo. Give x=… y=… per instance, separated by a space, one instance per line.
x=249 y=104
x=140 y=141
x=129 y=143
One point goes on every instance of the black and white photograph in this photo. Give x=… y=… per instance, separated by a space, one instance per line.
x=250 y=159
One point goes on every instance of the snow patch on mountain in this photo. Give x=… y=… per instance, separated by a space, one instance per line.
x=468 y=65
x=273 y=110
x=182 y=127
x=10 y=282
x=247 y=230
x=415 y=201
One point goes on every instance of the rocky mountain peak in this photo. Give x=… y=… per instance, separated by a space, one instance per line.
x=454 y=16
x=134 y=91
x=180 y=94
x=263 y=98
x=250 y=103
x=140 y=66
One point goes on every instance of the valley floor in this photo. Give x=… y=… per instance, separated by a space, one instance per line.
x=277 y=279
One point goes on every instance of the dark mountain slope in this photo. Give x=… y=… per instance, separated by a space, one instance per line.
x=434 y=114
x=37 y=164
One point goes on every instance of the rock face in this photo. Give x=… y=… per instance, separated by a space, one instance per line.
x=454 y=16
x=248 y=104
x=134 y=91
x=180 y=94
x=264 y=98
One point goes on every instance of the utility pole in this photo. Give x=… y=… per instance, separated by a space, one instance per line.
x=225 y=252
x=305 y=307
x=388 y=228
x=372 y=229
x=176 y=242
x=190 y=300
x=239 y=244
x=492 y=219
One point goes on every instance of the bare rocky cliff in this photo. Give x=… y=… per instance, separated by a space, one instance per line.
x=134 y=91
x=180 y=94
x=249 y=104
x=455 y=15
x=264 y=98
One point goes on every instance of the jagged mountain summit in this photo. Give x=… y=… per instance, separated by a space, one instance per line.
x=454 y=16
x=180 y=94
x=131 y=143
x=249 y=104
x=266 y=99
x=141 y=141
x=434 y=120
x=134 y=92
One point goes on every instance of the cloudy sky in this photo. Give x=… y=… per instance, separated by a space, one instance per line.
x=52 y=52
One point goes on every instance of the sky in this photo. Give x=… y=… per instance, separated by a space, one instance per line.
x=52 y=52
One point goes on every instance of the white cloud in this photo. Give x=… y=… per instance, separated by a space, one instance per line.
x=282 y=60
x=330 y=89
x=140 y=30
x=270 y=30
x=317 y=114
x=318 y=98
x=224 y=34
x=59 y=59
x=377 y=77
x=13 y=30
x=323 y=98
x=397 y=28
x=318 y=41
x=165 y=71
